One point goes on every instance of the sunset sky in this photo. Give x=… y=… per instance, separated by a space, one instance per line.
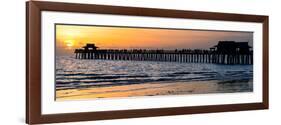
x=70 y=37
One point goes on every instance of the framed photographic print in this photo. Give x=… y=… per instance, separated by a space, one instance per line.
x=94 y=62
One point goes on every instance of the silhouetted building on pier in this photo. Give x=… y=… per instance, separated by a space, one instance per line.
x=90 y=47
x=225 y=52
x=232 y=47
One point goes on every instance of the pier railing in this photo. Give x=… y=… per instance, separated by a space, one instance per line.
x=184 y=55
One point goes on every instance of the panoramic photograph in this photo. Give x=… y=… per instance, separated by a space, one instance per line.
x=120 y=62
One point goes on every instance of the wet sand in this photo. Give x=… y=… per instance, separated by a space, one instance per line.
x=154 y=89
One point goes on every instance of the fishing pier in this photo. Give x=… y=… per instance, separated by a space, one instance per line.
x=225 y=52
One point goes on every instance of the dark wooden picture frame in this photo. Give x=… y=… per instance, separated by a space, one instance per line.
x=33 y=61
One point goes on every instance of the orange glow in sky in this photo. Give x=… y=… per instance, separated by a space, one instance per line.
x=70 y=37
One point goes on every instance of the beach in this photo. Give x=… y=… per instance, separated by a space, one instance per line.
x=155 y=89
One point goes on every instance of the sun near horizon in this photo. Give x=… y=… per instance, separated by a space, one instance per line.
x=70 y=37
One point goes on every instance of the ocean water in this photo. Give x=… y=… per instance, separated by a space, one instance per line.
x=73 y=73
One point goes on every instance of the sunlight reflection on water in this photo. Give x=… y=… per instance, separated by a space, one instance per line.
x=75 y=73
